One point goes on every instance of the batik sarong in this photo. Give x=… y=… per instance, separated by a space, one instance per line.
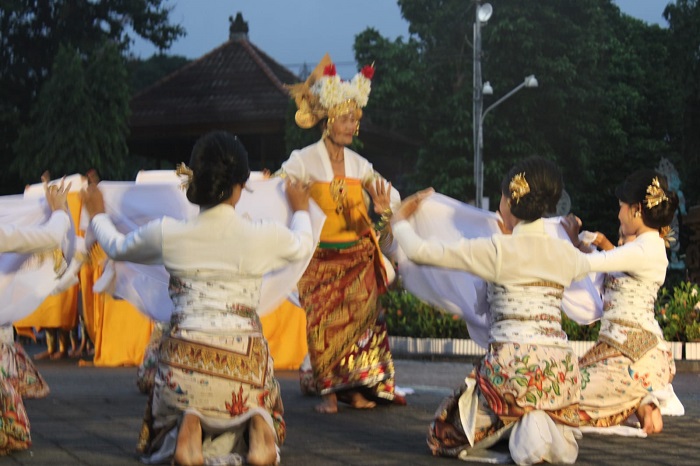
x=348 y=341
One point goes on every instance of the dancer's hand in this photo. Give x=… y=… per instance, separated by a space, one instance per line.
x=572 y=226
x=380 y=192
x=297 y=195
x=410 y=205
x=56 y=194
x=92 y=200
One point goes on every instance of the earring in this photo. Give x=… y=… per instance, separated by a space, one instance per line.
x=637 y=214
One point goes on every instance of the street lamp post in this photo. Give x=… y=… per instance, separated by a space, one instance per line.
x=483 y=13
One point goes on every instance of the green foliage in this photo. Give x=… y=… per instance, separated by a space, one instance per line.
x=678 y=312
x=31 y=33
x=80 y=118
x=683 y=18
x=407 y=316
x=576 y=332
x=60 y=127
x=608 y=100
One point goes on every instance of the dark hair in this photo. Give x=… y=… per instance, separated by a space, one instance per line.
x=218 y=162
x=545 y=182
x=634 y=191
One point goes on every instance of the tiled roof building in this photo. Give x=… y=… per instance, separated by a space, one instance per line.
x=236 y=87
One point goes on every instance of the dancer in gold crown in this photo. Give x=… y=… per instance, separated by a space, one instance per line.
x=348 y=342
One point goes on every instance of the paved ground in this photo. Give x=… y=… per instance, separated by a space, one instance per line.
x=93 y=415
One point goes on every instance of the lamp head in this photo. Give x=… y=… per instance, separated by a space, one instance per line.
x=531 y=81
x=484 y=12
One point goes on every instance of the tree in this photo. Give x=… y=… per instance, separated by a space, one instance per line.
x=31 y=32
x=684 y=26
x=604 y=105
x=80 y=118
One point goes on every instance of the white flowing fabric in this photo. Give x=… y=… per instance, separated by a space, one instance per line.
x=463 y=294
x=266 y=199
x=130 y=206
x=158 y=194
x=26 y=280
x=77 y=182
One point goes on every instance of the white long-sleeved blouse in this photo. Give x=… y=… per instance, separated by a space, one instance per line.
x=529 y=255
x=38 y=238
x=217 y=239
x=636 y=271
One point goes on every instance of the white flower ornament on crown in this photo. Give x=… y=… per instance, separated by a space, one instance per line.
x=325 y=95
x=339 y=97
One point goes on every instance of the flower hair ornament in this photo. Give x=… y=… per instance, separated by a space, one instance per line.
x=655 y=194
x=325 y=95
x=184 y=170
x=668 y=235
x=518 y=187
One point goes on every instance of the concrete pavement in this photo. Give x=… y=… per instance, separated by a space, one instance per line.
x=93 y=415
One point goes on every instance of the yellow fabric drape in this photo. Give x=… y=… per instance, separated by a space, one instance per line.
x=118 y=330
x=59 y=311
x=285 y=332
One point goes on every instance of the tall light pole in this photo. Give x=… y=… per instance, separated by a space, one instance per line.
x=482 y=13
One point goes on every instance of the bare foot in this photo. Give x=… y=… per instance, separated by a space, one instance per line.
x=59 y=355
x=262 y=448
x=650 y=417
x=188 y=451
x=329 y=405
x=358 y=401
x=43 y=355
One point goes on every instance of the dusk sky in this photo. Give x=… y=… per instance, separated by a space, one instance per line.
x=294 y=32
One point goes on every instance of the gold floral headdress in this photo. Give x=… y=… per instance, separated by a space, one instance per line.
x=325 y=95
x=518 y=187
x=181 y=170
x=655 y=194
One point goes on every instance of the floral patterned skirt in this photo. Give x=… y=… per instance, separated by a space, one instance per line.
x=512 y=380
x=14 y=423
x=224 y=380
x=613 y=386
x=19 y=378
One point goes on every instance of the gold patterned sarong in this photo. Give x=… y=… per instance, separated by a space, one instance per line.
x=348 y=344
x=221 y=371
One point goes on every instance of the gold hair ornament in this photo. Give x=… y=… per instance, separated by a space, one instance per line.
x=183 y=169
x=668 y=235
x=655 y=194
x=518 y=187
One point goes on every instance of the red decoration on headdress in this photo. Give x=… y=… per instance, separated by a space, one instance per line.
x=368 y=71
x=329 y=70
